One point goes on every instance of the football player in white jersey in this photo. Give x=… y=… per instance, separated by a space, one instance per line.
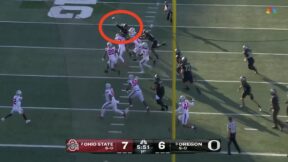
x=111 y=53
x=145 y=57
x=121 y=47
x=111 y=101
x=183 y=110
x=16 y=107
x=135 y=91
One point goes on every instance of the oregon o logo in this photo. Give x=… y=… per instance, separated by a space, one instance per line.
x=72 y=9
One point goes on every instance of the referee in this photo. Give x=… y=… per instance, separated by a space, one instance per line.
x=231 y=128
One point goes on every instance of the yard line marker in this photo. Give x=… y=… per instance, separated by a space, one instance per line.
x=257 y=154
x=125 y=78
x=123 y=96
x=123 y=90
x=118 y=117
x=133 y=66
x=117 y=124
x=135 y=72
x=33 y=146
x=144 y=111
x=160 y=51
x=153 y=8
x=251 y=129
x=115 y=132
x=151 y=12
x=150 y=16
x=125 y=84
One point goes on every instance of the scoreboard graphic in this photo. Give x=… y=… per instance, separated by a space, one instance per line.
x=142 y=146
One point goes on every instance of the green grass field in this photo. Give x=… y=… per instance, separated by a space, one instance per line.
x=57 y=64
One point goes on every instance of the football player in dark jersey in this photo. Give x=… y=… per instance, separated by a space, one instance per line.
x=249 y=58
x=123 y=30
x=160 y=92
x=178 y=60
x=247 y=91
x=186 y=74
x=155 y=44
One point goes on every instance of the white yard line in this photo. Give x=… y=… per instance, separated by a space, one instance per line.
x=257 y=154
x=160 y=51
x=125 y=78
x=144 y=111
x=149 y=16
x=250 y=129
x=115 y=132
x=125 y=97
x=135 y=72
x=117 y=124
x=118 y=117
x=159 y=26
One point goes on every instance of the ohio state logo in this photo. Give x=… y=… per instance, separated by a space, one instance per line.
x=72 y=145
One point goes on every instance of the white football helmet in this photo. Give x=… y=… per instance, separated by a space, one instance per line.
x=144 y=45
x=19 y=92
x=108 y=85
x=109 y=44
x=132 y=31
x=182 y=98
x=130 y=76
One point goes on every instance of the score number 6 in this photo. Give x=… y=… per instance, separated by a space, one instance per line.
x=161 y=145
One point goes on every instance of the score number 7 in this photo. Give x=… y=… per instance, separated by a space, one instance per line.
x=125 y=143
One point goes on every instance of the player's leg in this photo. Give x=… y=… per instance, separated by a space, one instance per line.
x=145 y=63
x=252 y=99
x=107 y=67
x=184 y=121
x=141 y=65
x=7 y=116
x=161 y=103
x=115 y=109
x=104 y=108
x=244 y=94
x=121 y=51
x=140 y=96
x=113 y=63
x=251 y=65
